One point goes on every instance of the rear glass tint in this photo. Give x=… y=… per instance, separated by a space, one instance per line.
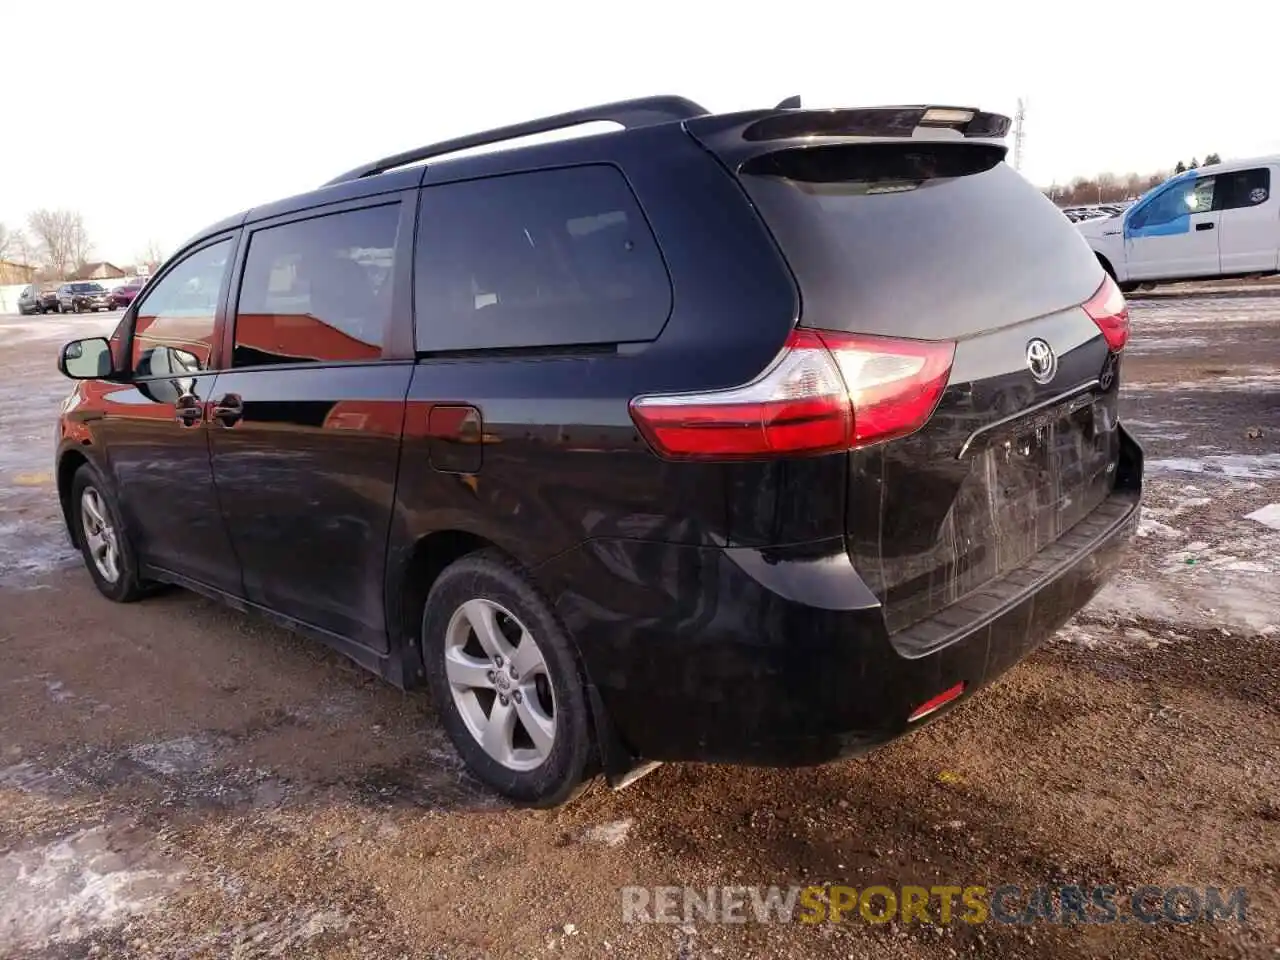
x=317 y=290
x=550 y=258
x=925 y=240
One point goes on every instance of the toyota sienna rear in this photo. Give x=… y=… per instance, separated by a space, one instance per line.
x=754 y=438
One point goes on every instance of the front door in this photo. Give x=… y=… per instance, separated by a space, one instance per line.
x=305 y=426
x=1250 y=226
x=154 y=426
x=1175 y=234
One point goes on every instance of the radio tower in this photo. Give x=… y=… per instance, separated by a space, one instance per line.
x=1019 y=134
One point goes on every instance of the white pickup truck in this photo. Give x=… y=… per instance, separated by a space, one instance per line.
x=1209 y=223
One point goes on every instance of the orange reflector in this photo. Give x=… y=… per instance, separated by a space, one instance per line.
x=941 y=700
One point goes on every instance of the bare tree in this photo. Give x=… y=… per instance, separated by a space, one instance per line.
x=8 y=242
x=1104 y=188
x=62 y=239
x=152 y=256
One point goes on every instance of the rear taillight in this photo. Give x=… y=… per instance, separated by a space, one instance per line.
x=1110 y=312
x=824 y=392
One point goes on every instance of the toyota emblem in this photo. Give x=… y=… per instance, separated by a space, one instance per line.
x=1041 y=361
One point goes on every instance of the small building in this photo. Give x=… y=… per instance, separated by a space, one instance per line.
x=12 y=272
x=99 y=270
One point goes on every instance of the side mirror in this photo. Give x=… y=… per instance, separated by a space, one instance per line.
x=88 y=359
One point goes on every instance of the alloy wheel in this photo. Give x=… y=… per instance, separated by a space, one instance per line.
x=100 y=535
x=498 y=678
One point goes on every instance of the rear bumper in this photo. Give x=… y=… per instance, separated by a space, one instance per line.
x=781 y=658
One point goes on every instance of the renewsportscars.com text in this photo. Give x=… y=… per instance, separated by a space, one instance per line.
x=974 y=904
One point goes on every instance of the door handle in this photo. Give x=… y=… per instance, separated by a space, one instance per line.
x=229 y=410
x=1204 y=226
x=188 y=411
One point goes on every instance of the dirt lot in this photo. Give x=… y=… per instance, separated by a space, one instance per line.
x=179 y=780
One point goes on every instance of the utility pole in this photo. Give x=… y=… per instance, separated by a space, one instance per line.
x=1019 y=133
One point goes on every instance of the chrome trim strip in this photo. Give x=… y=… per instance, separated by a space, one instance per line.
x=1034 y=408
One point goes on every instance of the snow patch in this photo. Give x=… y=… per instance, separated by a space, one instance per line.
x=1222 y=598
x=1144 y=345
x=1255 y=381
x=1149 y=527
x=60 y=330
x=1235 y=466
x=610 y=834
x=1268 y=516
x=173 y=757
x=64 y=890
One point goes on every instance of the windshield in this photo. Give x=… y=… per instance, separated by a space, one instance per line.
x=87 y=288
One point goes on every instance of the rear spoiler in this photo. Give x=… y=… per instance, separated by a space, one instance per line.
x=877 y=122
x=742 y=136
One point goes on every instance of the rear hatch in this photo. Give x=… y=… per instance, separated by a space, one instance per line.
x=937 y=239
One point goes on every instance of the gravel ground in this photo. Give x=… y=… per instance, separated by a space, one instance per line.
x=179 y=780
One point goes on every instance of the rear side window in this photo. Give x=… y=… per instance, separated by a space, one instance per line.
x=317 y=290
x=551 y=258
x=1244 y=188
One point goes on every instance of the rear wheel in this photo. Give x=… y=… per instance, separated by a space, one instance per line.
x=505 y=679
x=100 y=531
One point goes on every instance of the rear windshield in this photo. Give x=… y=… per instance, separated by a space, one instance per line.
x=936 y=240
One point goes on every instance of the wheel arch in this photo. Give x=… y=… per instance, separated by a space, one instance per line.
x=430 y=555
x=70 y=460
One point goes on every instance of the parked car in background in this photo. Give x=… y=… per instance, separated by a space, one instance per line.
x=83 y=295
x=1204 y=224
x=124 y=295
x=38 y=298
x=454 y=420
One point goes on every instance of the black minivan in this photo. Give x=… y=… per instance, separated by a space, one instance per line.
x=748 y=438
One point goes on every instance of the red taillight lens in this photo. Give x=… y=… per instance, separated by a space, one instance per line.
x=893 y=384
x=798 y=405
x=1109 y=311
x=824 y=392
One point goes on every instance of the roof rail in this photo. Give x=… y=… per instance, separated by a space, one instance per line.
x=641 y=112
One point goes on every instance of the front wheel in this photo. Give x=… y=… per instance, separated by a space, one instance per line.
x=100 y=532
x=505 y=679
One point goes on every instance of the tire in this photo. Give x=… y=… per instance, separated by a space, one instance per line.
x=486 y=586
x=89 y=494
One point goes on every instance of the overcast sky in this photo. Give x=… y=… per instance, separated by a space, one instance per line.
x=154 y=119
